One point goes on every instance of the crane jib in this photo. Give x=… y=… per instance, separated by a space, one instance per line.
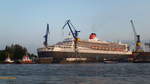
x=72 y=29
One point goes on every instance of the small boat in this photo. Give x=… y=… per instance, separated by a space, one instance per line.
x=107 y=61
x=26 y=60
x=8 y=60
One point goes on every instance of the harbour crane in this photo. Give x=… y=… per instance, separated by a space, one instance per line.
x=46 y=36
x=138 y=47
x=74 y=33
x=72 y=29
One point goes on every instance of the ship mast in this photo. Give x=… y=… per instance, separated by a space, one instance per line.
x=74 y=33
x=46 y=36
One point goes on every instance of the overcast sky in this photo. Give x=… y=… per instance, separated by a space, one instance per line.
x=24 y=21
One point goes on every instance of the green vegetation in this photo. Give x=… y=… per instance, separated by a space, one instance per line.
x=15 y=52
x=2 y=55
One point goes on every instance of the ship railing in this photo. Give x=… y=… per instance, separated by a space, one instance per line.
x=45 y=49
x=107 y=52
x=76 y=59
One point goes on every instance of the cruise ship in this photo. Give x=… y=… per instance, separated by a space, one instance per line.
x=87 y=51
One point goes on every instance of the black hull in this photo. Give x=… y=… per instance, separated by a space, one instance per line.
x=141 y=57
x=60 y=57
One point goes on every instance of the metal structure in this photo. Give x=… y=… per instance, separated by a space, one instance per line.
x=72 y=29
x=147 y=45
x=138 y=47
x=74 y=33
x=46 y=36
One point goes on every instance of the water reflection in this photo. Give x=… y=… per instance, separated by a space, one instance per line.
x=122 y=73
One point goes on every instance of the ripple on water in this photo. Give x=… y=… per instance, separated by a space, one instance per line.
x=121 y=73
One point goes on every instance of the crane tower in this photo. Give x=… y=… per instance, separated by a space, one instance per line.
x=137 y=40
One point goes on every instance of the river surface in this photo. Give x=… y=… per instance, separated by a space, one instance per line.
x=120 y=73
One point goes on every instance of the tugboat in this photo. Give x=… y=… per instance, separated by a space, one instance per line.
x=26 y=60
x=8 y=61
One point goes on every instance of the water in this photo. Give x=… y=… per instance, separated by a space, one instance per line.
x=121 y=73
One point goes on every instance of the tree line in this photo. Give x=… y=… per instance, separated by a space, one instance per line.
x=15 y=52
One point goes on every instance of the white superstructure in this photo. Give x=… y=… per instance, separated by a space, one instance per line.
x=90 y=46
